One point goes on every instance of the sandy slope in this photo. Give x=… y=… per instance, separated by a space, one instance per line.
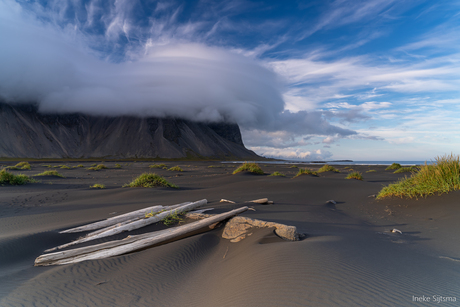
x=349 y=257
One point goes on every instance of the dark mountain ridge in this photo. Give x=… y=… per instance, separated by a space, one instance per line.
x=26 y=133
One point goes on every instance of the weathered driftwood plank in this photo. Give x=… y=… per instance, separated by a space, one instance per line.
x=131 y=225
x=259 y=201
x=87 y=249
x=227 y=201
x=121 y=218
x=131 y=243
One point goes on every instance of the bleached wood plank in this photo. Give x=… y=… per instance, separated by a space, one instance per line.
x=121 y=218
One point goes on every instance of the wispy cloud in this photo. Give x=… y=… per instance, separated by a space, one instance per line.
x=347 y=12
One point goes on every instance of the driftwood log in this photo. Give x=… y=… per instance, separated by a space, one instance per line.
x=131 y=225
x=138 y=214
x=131 y=243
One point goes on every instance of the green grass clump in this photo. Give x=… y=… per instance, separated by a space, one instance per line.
x=158 y=166
x=438 y=178
x=172 y=218
x=97 y=167
x=46 y=165
x=371 y=171
x=354 y=175
x=117 y=165
x=249 y=167
x=20 y=165
x=328 y=168
x=65 y=167
x=80 y=165
x=293 y=166
x=175 y=169
x=150 y=180
x=152 y=214
x=277 y=174
x=23 y=165
x=409 y=169
x=306 y=171
x=97 y=186
x=9 y=178
x=50 y=173
x=393 y=166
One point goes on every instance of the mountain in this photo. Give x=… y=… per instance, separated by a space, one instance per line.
x=26 y=133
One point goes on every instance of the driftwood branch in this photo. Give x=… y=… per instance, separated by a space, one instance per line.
x=261 y=201
x=131 y=224
x=131 y=243
x=138 y=214
x=227 y=201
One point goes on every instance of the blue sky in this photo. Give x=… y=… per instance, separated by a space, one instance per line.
x=361 y=80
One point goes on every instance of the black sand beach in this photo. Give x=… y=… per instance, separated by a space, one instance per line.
x=348 y=257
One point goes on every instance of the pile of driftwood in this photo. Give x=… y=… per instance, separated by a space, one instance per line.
x=140 y=218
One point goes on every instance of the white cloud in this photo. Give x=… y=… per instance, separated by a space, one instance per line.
x=292 y=153
x=403 y=140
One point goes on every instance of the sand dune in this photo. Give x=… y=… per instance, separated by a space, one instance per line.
x=349 y=257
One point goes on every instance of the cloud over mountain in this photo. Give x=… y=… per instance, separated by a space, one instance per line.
x=55 y=67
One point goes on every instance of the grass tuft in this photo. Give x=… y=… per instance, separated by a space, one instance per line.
x=438 y=178
x=409 y=169
x=175 y=169
x=158 y=166
x=306 y=171
x=249 y=167
x=371 y=171
x=172 y=218
x=293 y=166
x=50 y=173
x=393 y=166
x=355 y=175
x=80 y=165
x=65 y=167
x=9 y=178
x=97 y=167
x=97 y=186
x=117 y=165
x=20 y=165
x=277 y=174
x=152 y=214
x=150 y=180
x=328 y=168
